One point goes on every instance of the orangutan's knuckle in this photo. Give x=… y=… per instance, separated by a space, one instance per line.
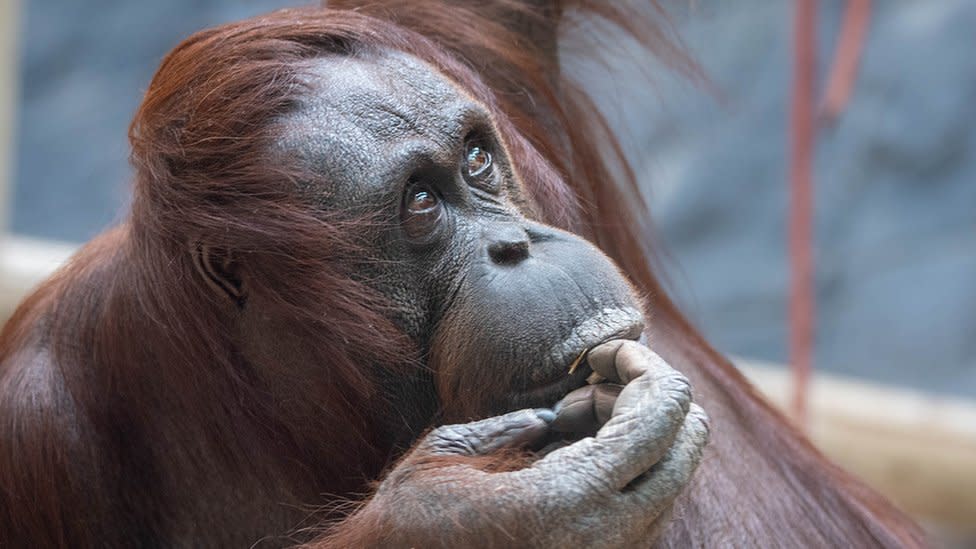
x=677 y=396
x=699 y=422
x=595 y=481
x=548 y=471
x=592 y=474
x=667 y=408
x=684 y=459
x=623 y=427
x=439 y=432
x=676 y=381
x=552 y=494
x=453 y=439
x=436 y=436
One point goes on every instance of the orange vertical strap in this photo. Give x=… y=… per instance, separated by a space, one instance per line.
x=802 y=134
x=847 y=56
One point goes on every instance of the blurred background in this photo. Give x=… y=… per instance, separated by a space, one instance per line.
x=894 y=182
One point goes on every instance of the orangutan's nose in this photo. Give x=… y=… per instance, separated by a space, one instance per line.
x=508 y=244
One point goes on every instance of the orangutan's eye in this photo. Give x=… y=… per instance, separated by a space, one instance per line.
x=477 y=160
x=422 y=201
x=423 y=212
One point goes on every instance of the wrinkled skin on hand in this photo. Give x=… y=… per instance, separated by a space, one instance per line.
x=612 y=489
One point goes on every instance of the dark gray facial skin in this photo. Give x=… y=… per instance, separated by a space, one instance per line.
x=501 y=306
x=500 y=303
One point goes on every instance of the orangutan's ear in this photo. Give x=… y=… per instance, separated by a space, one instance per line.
x=220 y=271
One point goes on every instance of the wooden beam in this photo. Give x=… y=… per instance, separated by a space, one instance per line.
x=9 y=18
x=918 y=449
x=24 y=263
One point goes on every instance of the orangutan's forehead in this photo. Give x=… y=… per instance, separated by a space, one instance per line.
x=366 y=119
x=384 y=91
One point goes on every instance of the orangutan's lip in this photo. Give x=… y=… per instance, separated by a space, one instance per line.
x=565 y=367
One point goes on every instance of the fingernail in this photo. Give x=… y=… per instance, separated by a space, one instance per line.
x=545 y=414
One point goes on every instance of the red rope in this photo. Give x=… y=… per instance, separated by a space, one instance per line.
x=850 y=43
x=802 y=135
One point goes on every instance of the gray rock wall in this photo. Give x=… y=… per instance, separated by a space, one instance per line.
x=84 y=66
x=895 y=187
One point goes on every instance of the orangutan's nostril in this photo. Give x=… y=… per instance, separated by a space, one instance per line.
x=508 y=252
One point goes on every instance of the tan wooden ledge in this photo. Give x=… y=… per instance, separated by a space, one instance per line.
x=917 y=448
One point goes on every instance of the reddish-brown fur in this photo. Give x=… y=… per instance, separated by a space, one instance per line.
x=125 y=341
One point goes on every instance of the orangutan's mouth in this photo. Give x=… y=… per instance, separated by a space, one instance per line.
x=565 y=368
